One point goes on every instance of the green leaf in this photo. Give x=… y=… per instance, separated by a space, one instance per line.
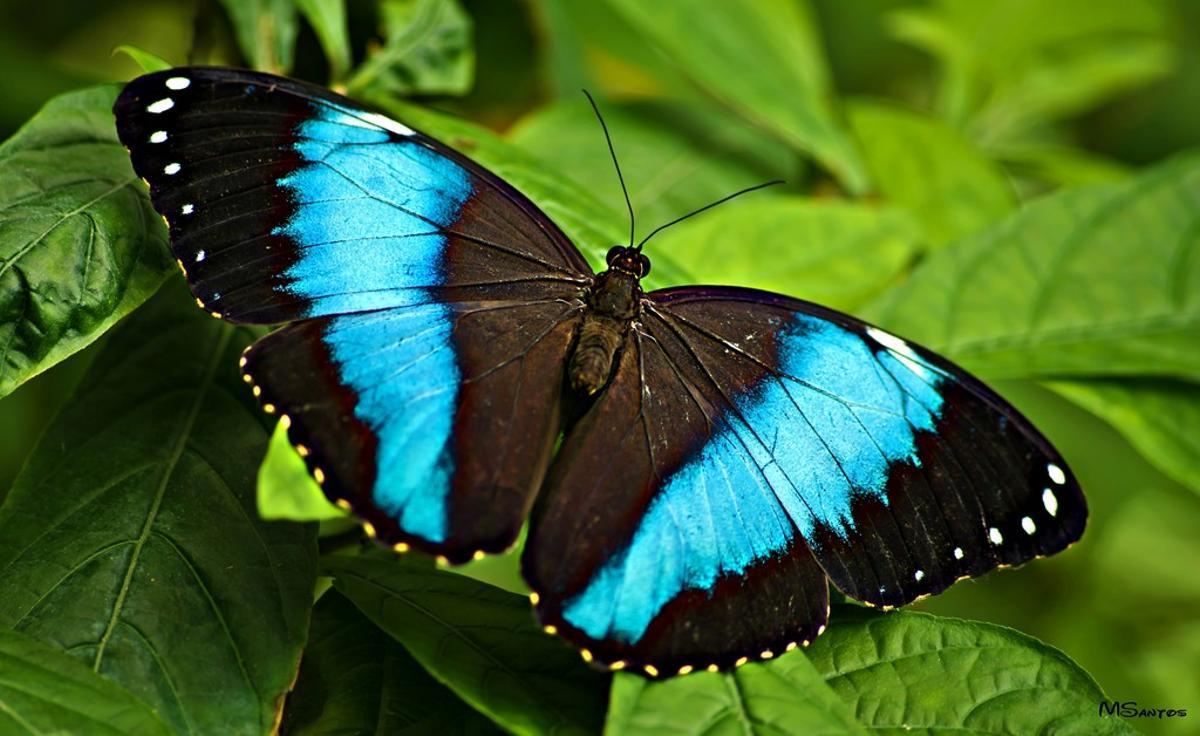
x=1161 y=418
x=328 y=21
x=590 y=225
x=130 y=538
x=502 y=570
x=1095 y=281
x=1061 y=165
x=926 y=167
x=354 y=679
x=784 y=695
x=149 y=62
x=834 y=253
x=266 y=32
x=1077 y=83
x=761 y=58
x=427 y=50
x=80 y=245
x=675 y=156
x=286 y=490
x=482 y=642
x=44 y=691
x=590 y=46
x=1010 y=65
x=905 y=672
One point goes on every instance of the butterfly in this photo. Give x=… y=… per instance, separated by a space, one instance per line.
x=695 y=463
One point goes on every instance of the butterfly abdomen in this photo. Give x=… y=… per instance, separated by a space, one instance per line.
x=612 y=305
x=592 y=361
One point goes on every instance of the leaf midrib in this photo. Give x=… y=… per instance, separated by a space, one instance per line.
x=4 y=708
x=222 y=337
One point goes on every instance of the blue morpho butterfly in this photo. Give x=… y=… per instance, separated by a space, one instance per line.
x=724 y=451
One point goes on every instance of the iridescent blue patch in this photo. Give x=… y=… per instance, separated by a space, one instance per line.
x=369 y=213
x=794 y=456
x=402 y=367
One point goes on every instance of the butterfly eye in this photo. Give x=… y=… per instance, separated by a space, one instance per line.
x=613 y=252
x=643 y=266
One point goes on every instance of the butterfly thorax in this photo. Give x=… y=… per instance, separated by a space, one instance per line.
x=613 y=304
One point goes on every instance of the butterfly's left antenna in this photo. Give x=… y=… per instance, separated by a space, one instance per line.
x=612 y=151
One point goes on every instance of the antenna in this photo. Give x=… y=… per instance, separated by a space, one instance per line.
x=708 y=206
x=613 y=153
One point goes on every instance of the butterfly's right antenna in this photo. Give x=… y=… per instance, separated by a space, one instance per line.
x=613 y=153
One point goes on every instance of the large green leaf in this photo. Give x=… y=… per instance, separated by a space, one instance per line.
x=80 y=246
x=925 y=166
x=266 y=32
x=675 y=156
x=1009 y=65
x=481 y=641
x=894 y=673
x=427 y=50
x=782 y=696
x=835 y=253
x=763 y=59
x=591 y=225
x=1161 y=418
x=906 y=672
x=130 y=539
x=354 y=679
x=1094 y=281
x=43 y=690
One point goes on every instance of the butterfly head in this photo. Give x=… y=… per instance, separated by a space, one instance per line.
x=629 y=260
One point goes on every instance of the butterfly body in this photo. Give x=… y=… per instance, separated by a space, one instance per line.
x=614 y=301
x=695 y=464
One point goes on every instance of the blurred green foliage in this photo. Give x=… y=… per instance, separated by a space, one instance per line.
x=1006 y=181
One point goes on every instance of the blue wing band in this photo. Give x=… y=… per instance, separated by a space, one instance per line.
x=371 y=215
x=795 y=452
x=758 y=434
x=419 y=288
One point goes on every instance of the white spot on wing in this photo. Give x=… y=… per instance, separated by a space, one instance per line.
x=388 y=124
x=888 y=340
x=1028 y=525
x=200 y=256
x=158 y=136
x=188 y=209
x=1050 y=502
x=1056 y=473
x=995 y=535
x=373 y=120
x=958 y=553
x=171 y=169
x=178 y=83
x=919 y=576
x=162 y=105
x=903 y=352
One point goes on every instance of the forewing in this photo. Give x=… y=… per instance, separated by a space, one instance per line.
x=285 y=201
x=896 y=470
x=433 y=305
